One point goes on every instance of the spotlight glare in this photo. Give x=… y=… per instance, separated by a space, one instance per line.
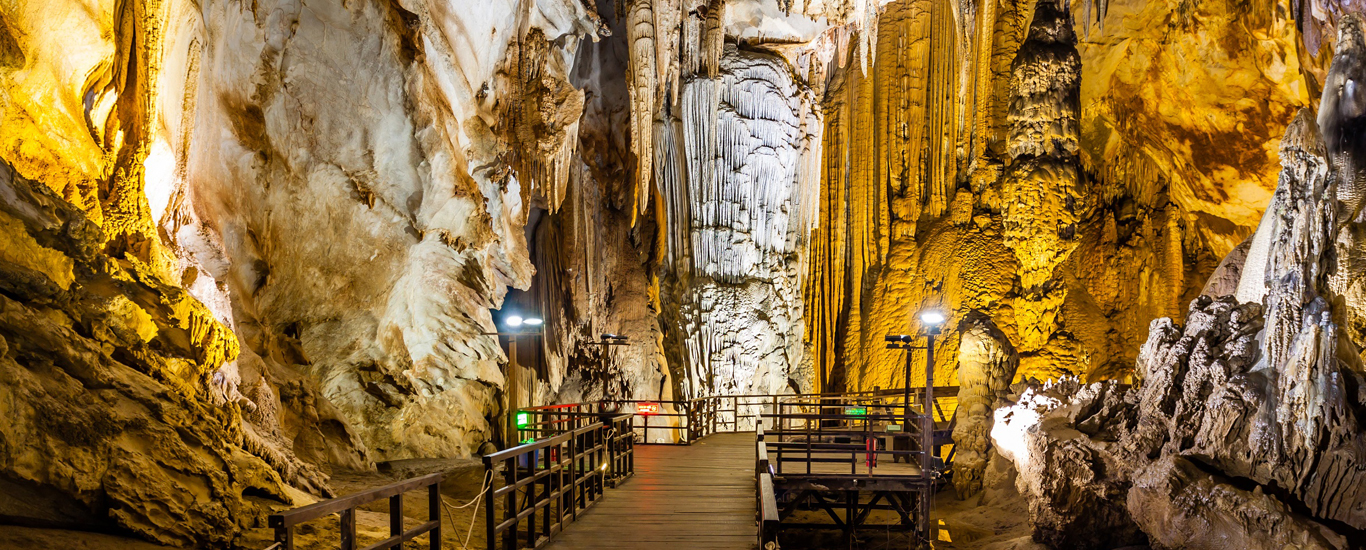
x=932 y=318
x=531 y=322
x=513 y=321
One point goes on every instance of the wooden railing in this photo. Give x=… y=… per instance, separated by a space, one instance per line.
x=828 y=454
x=857 y=439
x=766 y=499
x=284 y=522
x=576 y=450
x=548 y=482
x=685 y=421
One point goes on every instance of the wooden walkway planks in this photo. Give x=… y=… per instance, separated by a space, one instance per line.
x=699 y=496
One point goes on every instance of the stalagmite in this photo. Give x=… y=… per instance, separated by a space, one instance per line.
x=986 y=367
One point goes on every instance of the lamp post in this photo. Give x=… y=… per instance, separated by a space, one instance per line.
x=515 y=324
x=930 y=321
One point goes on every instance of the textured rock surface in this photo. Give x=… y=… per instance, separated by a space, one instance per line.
x=986 y=367
x=110 y=415
x=1243 y=429
x=1185 y=507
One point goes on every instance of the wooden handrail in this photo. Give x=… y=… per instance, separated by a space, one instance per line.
x=547 y=482
x=316 y=510
x=536 y=445
x=284 y=522
x=768 y=511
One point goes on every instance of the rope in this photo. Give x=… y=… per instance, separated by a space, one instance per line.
x=488 y=483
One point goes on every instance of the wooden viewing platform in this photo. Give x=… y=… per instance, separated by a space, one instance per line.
x=697 y=496
x=583 y=480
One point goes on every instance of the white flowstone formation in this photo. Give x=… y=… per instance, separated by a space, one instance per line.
x=734 y=189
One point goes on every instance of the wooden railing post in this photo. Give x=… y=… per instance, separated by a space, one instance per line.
x=510 y=503
x=434 y=514
x=490 y=518
x=715 y=411
x=285 y=536
x=395 y=515
x=574 y=477
x=348 y=529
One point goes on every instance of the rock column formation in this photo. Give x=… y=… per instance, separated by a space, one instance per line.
x=986 y=367
x=1041 y=192
x=735 y=183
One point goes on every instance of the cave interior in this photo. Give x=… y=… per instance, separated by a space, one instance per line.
x=261 y=254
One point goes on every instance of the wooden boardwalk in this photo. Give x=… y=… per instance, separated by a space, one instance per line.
x=699 y=496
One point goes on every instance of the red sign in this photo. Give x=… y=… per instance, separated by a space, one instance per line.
x=647 y=408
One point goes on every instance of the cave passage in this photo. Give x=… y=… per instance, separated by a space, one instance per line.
x=852 y=274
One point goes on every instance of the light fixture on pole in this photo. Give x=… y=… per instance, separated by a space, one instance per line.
x=930 y=321
x=517 y=326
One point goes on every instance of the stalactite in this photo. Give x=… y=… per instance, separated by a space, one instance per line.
x=714 y=39
x=643 y=82
x=545 y=121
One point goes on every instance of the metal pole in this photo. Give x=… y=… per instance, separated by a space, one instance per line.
x=906 y=388
x=927 y=435
x=927 y=447
x=513 y=397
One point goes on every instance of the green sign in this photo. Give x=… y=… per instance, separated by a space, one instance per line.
x=523 y=419
x=856 y=411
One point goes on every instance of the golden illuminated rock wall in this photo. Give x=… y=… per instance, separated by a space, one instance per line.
x=930 y=198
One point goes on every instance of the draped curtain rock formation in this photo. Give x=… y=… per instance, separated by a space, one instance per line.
x=736 y=180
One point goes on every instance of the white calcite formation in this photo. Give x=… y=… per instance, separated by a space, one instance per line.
x=737 y=184
x=368 y=125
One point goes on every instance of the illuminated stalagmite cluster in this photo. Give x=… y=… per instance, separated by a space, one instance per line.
x=247 y=245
